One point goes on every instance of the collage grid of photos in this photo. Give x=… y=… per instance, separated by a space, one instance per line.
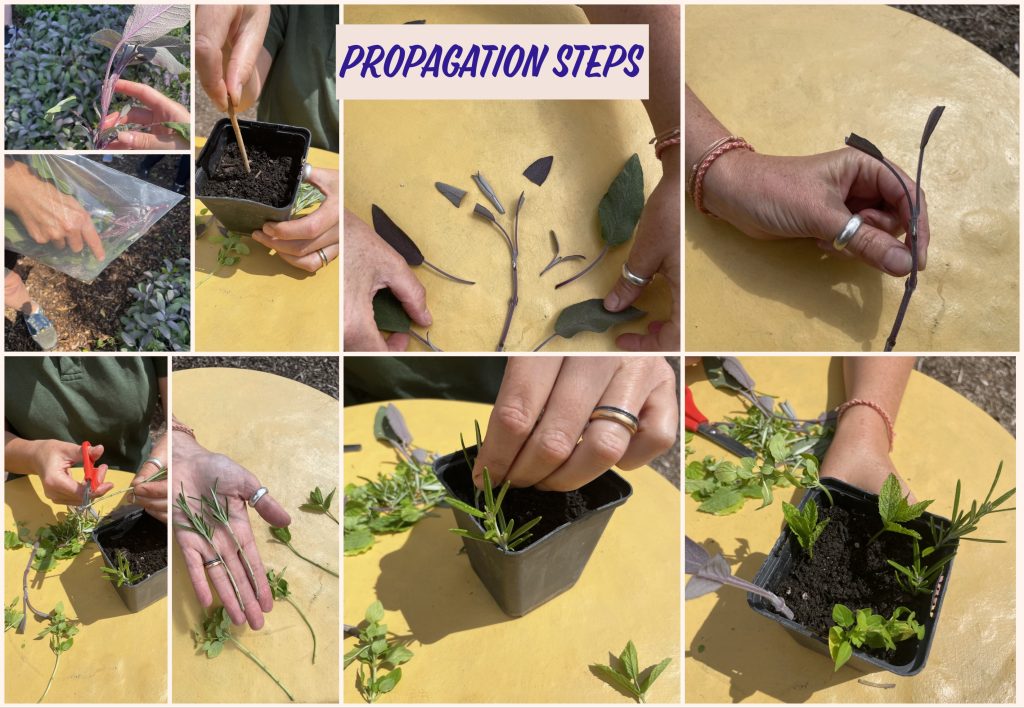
x=318 y=400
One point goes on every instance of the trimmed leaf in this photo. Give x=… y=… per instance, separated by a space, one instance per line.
x=395 y=236
x=590 y=316
x=620 y=207
x=653 y=676
x=488 y=191
x=185 y=131
x=864 y=145
x=538 y=171
x=617 y=680
x=453 y=194
x=929 y=128
x=388 y=313
x=710 y=573
x=481 y=210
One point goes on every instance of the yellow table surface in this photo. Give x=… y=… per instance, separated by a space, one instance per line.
x=466 y=649
x=797 y=80
x=940 y=437
x=263 y=304
x=396 y=150
x=286 y=434
x=118 y=656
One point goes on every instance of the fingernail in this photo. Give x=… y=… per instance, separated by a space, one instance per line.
x=126 y=139
x=897 y=261
x=428 y=320
x=612 y=302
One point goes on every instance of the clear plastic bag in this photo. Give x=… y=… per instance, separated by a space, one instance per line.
x=122 y=208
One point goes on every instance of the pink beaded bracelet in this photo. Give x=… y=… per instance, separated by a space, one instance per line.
x=873 y=406
x=704 y=164
x=664 y=141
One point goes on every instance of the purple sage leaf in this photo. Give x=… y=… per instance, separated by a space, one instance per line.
x=395 y=236
x=929 y=128
x=864 y=145
x=453 y=194
x=538 y=171
x=488 y=191
x=710 y=573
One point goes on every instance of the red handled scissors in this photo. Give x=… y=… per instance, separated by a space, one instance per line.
x=697 y=422
x=92 y=477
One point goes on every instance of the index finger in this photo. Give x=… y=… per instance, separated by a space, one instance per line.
x=874 y=179
x=92 y=239
x=524 y=391
x=209 y=52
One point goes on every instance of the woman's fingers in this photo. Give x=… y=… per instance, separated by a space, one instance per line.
x=267 y=507
x=881 y=250
x=659 y=426
x=218 y=577
x=524 y=391
x=243 y=530
x=196 y=573
x=239 y=571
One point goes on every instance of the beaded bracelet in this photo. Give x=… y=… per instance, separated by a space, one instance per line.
x=873 y=406
x=182 y=428
x=700 y=169
x=663 y=141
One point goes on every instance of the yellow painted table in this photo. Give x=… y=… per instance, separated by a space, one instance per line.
x=736 y=655
x=263 y=304
x=466 y=649
x=396 y=150
x=286 y=434
x=797 y=80
x=118 y=656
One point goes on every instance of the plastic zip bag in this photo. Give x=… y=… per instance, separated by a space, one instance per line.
x=123 y=208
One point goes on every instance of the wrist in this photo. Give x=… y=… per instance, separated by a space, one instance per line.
x=863 y=428
x=729 y=178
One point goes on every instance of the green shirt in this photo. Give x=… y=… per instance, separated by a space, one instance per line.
x=106 y=400
x=300 y=88
x=388 y=378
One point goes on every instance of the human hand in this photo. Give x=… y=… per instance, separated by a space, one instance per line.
x=195 y=470
x=229 y=39
x=298 y=240
x=152 y=496
x=156 y=110
x=372 y=265
x=859 y=452
x=544 y=406
x=767 y=197
x=655 y=250
x=52 y=460
x=49 y=216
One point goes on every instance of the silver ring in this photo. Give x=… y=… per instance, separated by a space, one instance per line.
x=307 y=171
x=156 y=461
x=257 y=495
x=848 y=232
x=631 y=277
x=212 y=562
x=323 y=257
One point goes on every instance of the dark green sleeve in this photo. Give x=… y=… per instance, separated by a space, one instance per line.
x=276 y=30
x=159 y=364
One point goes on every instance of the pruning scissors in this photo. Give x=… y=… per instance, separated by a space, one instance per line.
x=92 y=478
x=697 y=422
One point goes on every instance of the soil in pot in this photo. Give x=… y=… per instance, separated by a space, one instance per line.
x=525 y=504
x=847 y=569
x=267 y=183
x=145 y=545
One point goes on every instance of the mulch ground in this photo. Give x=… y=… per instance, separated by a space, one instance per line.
x=995 y=29
x=86 y=315
x=319 y=372
x=989 y=382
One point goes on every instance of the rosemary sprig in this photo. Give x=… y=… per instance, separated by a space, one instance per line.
x=221 y=515
x=197 y=524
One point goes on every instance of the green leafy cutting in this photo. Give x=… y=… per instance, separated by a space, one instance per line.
x=964 y=521
x=215 y=631
x=855 y=630
x=804 y=524
x=12 y=615
x=123 y=573
x=376 y=653
x=319 y=504
x=279 y=589
x=628 y=678
x=61 y=632
x=212 y=505
x=182 y=129
x=197 y=524
x=895 y=510
x=390 y=316
x=589 y=316
x=284 y=536
x=920 y=577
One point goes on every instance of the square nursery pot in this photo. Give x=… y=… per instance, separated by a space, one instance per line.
x=111 y=534
x=552 y=561
x=782 y=556
x=281 y=143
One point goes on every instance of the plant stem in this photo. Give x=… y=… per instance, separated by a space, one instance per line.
x=513 y=247
x=587 y=269
x=56 y=663
x=445 y=274
x=310 y=560
x=303 y=616
x=541 y=345
x=24 y=592
x=263 y=666
x=332 y=517
x=425 y=342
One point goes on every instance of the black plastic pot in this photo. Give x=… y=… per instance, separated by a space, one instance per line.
x=523 y=579
x=245 y=215
x=115 y=527
x=781 y=557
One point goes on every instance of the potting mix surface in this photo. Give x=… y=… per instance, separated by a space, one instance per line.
x=736 y=655
x=268 y=181
x=145 y=546
x=811 y=71
x=262 y=303
x=431 y=594
x=113 y=647
x=396 y=150
x=292 y=446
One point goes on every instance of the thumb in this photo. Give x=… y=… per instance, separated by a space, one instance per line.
x=875 y=247
x=642 y=262
x=95 y=452
x=267 y=507
x=409 y=291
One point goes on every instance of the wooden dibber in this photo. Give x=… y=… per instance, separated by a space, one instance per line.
x=238 y=134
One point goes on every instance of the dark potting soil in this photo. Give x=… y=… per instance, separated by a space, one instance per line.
x=847 y=569
x=267 y=183
x=145 y=545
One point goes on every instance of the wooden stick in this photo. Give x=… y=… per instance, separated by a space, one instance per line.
x=238 y=134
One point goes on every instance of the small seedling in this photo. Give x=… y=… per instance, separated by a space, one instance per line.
x=211 y=636
x=319 y=504
x=197 y=524
x=965 y=521
x=12 y=615
x=866 y=628
x=284 y=536
x=61 y=632
x=123 y=573
x=895 y=510
x=212 y=505
x=628 y=678
x=375 y=653
x=279 y=589
x=919 y=578
x=804 y=524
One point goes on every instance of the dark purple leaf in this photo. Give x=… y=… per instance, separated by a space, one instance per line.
x=735 y=369
x=397 y=423
x=415 y=22
x=453 y=194
x=929 y=128
x=481 y=210
x=538 y=171
x=395 y=237
x=864 y=145
x=710 y=573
